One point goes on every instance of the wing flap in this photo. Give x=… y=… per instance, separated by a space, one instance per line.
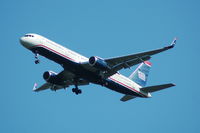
x=156 y=87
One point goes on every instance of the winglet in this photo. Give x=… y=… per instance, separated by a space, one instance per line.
x=35 y=87
x=173 y=43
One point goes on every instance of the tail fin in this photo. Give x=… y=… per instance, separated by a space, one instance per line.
x=140 y=75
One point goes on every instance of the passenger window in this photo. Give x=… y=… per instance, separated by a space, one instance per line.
x=29 y=36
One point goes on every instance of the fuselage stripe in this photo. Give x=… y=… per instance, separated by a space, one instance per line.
x=71 y=59
x=127 y=86
x=40 y=45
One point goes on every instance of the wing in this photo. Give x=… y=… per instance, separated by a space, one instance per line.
x=43 y=87
x=119 y=63
x=66 y=77
x=69 y=77
x=133 y=59
x=46 y=86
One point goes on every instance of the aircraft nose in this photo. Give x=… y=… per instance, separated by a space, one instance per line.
x=22 y=40
x=26 y=42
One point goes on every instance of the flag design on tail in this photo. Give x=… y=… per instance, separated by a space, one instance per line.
x=140 y=75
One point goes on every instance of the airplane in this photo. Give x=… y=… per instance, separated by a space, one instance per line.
x=79 y=70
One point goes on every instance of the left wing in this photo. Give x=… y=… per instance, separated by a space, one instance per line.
x=119 y=63
x=133 y=59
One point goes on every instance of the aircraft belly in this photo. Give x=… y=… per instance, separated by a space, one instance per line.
x=120 y=88
x=50 y=55
x=68 y=64
x=81 y=72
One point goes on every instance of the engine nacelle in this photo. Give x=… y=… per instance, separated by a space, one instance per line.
x=98 y=63
x=50 y=77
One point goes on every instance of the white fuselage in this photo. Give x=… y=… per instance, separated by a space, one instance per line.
x=35 y=40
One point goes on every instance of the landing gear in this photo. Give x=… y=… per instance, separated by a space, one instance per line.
x=76 y=90
x=37 y=61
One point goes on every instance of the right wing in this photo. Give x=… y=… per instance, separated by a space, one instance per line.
x=46 y=86
x=55 y=87
x=66 y=77
x=43 y=87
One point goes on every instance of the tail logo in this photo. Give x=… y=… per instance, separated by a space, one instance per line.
x=141 y=75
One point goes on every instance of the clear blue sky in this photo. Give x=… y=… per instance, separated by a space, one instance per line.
x=105 y=28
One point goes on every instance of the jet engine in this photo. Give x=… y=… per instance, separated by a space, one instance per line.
x=98 y=63
x=50 y=77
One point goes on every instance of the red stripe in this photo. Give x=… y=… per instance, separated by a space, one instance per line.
x=76 y=61
x=56 y=52
x=148 y=63
x=128 y=87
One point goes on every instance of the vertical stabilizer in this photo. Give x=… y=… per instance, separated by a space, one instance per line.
x=140 y=75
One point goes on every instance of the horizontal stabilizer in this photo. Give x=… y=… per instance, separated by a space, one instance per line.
x=126 y=98
x=156 y=87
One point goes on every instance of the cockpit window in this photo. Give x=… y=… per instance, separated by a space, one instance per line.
x=28 y=36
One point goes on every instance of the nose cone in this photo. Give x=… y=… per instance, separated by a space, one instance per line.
x=22 y=40
x=26 y=42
